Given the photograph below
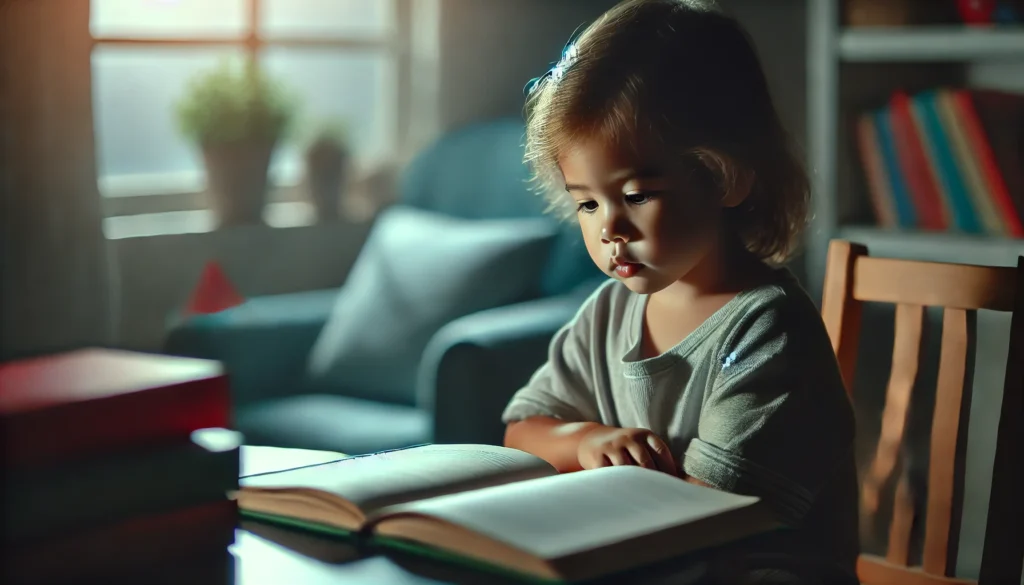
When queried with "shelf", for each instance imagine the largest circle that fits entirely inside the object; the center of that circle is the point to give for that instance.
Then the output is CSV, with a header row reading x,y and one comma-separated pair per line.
x,y
935,246
932,43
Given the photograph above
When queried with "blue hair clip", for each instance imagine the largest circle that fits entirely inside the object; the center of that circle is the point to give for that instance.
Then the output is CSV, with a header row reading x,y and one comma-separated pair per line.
x,y
569,55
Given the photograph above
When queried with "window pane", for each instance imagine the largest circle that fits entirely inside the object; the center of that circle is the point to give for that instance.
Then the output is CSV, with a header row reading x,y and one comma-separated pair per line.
x,y
169,18
320,18
356,88
134,95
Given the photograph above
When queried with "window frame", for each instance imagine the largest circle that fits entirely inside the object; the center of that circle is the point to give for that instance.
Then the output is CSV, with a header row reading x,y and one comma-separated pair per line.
x,y
162,196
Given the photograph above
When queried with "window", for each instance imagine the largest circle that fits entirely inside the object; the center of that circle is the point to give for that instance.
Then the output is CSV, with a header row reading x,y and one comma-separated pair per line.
x,y
343,59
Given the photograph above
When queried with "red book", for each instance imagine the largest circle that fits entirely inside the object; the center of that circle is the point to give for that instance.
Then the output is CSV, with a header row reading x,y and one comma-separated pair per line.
x,y
87,401
924,189
994,124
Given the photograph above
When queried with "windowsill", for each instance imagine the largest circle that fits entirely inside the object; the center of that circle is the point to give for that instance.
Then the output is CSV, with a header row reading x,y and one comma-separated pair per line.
x,y
289,214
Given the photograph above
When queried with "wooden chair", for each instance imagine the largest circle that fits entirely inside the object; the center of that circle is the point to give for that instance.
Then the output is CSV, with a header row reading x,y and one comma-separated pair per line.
x,y
852,278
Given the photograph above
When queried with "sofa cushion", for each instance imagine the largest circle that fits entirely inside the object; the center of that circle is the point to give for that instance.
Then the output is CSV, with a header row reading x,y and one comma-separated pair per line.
x,y
477,172
332,423
418,271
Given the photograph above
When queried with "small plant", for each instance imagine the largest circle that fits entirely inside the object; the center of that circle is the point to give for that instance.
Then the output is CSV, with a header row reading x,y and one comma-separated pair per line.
x,y
327,159
233,103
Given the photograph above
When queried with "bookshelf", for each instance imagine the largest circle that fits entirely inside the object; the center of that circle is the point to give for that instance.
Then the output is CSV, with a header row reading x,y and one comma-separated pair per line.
x,y
851,69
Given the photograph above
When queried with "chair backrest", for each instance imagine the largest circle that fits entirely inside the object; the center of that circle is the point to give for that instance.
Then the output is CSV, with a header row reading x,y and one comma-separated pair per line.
x,y
852,278
477,172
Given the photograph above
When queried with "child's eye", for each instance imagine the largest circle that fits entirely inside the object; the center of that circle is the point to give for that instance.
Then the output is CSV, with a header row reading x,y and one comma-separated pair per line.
x,y
586,207
639,198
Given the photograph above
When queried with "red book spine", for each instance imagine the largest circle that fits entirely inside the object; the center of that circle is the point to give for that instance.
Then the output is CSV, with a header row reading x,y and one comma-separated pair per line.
x,y
975,135
931,210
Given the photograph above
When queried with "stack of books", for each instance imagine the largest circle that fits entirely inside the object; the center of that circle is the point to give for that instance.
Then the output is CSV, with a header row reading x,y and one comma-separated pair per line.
x,y
118,466
946,160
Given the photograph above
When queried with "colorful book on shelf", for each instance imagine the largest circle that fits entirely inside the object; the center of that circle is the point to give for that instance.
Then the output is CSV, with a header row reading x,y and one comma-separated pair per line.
x,y
92,400
932,209
945,171
1001,117
885,184
505,510
969,165
882,200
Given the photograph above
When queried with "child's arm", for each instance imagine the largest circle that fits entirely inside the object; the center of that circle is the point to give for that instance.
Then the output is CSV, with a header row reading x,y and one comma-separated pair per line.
x,y
552,440
586,445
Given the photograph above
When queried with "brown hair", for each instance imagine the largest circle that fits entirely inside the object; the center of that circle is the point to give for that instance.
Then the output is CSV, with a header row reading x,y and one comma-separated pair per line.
x,y
685,75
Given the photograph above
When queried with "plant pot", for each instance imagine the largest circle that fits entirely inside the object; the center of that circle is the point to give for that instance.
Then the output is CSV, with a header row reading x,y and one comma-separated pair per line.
x,y
236,178
326,177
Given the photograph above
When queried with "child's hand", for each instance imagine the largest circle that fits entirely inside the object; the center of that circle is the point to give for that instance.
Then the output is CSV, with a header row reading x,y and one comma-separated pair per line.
x,y
606,446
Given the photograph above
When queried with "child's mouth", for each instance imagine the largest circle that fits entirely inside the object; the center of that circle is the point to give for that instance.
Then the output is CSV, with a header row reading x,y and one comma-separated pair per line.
x,y
628,269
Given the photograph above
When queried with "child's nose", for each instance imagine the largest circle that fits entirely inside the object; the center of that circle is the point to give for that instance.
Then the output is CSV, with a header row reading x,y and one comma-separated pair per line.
x,y
610,233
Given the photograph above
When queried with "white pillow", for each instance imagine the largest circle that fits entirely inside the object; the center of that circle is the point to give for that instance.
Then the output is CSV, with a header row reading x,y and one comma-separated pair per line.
x,y
418,271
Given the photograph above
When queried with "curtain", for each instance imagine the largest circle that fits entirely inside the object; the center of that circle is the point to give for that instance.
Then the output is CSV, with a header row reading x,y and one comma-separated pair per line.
x,y
54,268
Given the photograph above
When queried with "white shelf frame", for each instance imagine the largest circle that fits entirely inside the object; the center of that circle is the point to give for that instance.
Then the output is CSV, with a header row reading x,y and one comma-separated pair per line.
x,y
829,45
931,44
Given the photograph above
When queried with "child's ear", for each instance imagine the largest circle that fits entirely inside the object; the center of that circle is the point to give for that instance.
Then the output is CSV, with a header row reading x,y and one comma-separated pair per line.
x,y
737,190
733,181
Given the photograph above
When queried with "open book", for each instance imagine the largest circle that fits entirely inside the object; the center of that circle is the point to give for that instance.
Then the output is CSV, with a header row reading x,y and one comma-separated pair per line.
x,y
505,509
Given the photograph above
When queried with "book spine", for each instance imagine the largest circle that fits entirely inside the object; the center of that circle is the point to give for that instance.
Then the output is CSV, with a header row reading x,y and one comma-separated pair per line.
x,y
875,173
156,416
990,168
939,150
968,164
931,209
897,181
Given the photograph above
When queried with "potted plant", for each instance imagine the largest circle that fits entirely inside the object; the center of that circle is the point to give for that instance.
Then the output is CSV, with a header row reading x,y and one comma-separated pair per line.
x,y
327,159
236,115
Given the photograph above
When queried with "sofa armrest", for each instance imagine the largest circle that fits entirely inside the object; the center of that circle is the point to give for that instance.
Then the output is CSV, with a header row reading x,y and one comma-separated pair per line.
x,y
473,365
263,344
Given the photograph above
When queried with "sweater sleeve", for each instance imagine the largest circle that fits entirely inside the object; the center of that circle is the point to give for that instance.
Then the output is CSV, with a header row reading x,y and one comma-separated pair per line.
x,y
777,420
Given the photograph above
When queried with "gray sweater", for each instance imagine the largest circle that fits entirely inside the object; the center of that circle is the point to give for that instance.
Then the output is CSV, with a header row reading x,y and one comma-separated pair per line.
x,y
751,402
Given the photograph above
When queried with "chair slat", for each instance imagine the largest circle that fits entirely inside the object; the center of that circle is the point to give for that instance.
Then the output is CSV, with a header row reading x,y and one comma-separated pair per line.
x,y
954,369
931,284
906,358
1002,559
902,524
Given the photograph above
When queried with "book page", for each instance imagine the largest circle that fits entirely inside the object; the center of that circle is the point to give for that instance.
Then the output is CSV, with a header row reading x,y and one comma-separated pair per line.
x,y
393,477
257,460
557,516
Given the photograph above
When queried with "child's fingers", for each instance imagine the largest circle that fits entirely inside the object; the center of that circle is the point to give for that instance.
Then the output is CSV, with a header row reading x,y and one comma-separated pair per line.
x,y
641,455
662,454
618,456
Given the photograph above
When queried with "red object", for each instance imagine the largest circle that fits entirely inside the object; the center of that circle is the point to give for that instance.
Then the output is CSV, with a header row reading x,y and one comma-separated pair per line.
x,y
214,293
979,141
91,400
913,161
975,12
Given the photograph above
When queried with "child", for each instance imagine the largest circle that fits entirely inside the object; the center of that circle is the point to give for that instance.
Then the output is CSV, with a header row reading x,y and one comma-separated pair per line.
x,y
700,357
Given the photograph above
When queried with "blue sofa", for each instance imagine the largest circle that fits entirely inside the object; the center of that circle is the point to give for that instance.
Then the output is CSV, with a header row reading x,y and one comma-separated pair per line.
x,y
470,367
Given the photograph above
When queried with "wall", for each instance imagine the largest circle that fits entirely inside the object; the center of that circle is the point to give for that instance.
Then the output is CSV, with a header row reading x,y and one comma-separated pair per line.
x,y
487,51
491,48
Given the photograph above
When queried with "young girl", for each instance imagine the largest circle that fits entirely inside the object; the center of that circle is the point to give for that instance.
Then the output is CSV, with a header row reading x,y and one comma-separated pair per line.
x,y
700,357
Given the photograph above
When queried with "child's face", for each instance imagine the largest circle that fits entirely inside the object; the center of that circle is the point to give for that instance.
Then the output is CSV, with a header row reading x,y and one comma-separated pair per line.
x,y
641,224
